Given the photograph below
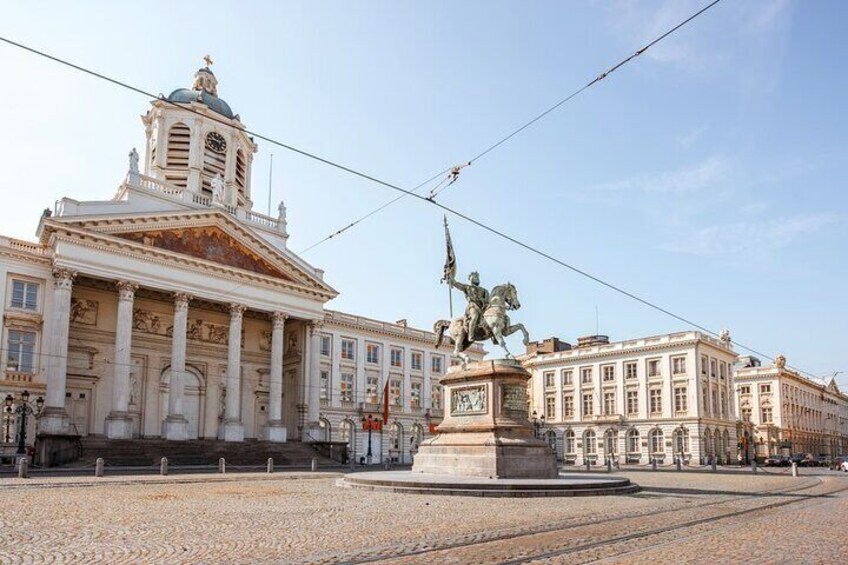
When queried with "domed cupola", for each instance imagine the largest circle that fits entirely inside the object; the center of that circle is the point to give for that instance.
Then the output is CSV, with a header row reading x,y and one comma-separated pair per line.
x,y
204,90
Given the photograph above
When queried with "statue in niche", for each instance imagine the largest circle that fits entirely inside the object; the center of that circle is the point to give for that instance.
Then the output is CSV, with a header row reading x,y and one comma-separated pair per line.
x,y
218,189
222,403
135,390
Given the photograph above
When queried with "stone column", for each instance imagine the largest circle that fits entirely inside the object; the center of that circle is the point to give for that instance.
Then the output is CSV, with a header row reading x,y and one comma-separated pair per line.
x,y
276,430
175,426
118,422
233,427
54,418
313,382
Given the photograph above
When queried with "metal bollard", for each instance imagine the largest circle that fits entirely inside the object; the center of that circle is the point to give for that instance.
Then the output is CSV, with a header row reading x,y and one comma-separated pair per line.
x,y
23,467
679,463
314,463
754,466
163,466
98,467
222,465
270,464
794,469
653,463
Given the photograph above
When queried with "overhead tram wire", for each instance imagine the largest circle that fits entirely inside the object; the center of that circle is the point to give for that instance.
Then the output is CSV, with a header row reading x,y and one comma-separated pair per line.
x,y
527,124
433,202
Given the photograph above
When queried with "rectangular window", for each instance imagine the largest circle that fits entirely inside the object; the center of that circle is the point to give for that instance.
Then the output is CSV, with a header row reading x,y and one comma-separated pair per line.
x,y
415,395
417,360
632,402
723,404
436,364
549,379
654,368
680,402
608,372
397,357
24,295
715,402
20,348
630,369
586,375
713,368
567,405
609,403
723,370
704,365
746,415
765,389
678,365
325,385
326,345
655,398
349,349
706,397
346,387
550,408
395,392
588,407
765,412
567,375
436,396
372,387
372,353
745,389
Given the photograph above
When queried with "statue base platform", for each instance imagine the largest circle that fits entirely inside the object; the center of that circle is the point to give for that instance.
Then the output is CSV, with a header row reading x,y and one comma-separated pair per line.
x,y
486,432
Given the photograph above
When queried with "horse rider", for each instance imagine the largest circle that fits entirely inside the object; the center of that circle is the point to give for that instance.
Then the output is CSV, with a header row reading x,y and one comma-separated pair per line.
x,y
478,299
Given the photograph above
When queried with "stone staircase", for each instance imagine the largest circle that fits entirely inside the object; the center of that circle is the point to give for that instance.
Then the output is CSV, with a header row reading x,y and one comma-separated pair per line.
x,y
149,452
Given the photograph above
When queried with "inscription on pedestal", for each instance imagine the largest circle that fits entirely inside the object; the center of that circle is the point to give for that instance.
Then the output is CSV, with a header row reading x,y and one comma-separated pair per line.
x,y
468,400
515,400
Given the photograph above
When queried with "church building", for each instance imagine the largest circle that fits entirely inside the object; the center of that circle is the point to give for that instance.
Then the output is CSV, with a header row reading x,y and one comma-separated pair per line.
x,y
174,310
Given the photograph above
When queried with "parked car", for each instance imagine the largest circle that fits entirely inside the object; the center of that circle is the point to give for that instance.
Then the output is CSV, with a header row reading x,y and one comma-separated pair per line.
x,y
844,465
777,461
822,461
836,463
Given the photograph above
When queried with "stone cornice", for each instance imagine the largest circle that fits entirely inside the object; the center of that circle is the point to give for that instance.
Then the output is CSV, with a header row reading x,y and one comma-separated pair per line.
x,y
115,245
553,359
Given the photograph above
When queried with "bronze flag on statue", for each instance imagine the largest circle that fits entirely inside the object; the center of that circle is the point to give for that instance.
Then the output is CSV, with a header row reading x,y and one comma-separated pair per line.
x,y
450,259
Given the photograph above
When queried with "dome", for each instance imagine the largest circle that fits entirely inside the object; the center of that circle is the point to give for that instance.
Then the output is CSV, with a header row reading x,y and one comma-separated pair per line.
x,y
187,95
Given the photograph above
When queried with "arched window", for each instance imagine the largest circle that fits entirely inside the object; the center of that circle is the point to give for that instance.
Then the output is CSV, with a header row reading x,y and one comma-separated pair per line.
x,y
241,171
179,145
568,442
681,441
550,437
326,429
611,442
590,442
348,434
725,444
633,442
657,442
708,443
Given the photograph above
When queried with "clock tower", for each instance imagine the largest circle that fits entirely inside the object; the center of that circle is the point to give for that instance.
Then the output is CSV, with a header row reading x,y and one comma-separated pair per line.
x,y
193,136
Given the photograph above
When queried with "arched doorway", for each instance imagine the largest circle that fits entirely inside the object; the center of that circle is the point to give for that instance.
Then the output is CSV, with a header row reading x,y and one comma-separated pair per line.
x,y
611,444
347,432
551,438
396,444
194,391
325,430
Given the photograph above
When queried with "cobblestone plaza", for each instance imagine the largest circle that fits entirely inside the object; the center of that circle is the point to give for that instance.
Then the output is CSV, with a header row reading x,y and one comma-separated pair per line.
x,y
690,517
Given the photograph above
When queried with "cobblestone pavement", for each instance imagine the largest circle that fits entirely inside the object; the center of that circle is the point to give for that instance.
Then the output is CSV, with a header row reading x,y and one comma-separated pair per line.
x,y
304,518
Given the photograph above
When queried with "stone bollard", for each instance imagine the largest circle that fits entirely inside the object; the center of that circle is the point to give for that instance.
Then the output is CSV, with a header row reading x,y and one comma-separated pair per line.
x,y
23,467
653,463
98,467
163,466
314,464
794,469
679,463
714,464
588,465
270,464
754,466
222,465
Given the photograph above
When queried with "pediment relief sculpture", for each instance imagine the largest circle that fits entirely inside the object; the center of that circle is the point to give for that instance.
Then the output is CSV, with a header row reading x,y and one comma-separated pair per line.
x,y
209,243
84,311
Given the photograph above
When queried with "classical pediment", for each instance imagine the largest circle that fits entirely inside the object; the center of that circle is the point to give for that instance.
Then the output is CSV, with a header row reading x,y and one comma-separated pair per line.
x,y
210,243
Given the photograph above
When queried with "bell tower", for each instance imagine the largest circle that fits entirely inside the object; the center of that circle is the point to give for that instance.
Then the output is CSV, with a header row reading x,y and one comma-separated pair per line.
x,y
193,136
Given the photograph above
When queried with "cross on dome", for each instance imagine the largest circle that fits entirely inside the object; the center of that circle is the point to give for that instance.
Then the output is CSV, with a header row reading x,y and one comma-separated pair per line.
x,y
208,60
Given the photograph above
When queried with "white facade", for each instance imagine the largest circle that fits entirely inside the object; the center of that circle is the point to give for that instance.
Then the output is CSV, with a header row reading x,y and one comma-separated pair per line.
x,y
174,310
788,413
637,400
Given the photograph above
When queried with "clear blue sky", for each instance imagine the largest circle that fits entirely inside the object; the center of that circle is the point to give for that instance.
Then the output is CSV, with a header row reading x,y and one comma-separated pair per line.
x,y
707,176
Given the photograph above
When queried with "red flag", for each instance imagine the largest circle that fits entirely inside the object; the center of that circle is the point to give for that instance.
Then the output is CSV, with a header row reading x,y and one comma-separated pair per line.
x,y
386,402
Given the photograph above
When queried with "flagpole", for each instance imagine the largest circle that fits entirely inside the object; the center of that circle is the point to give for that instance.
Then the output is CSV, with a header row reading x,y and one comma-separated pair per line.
x,y
450,264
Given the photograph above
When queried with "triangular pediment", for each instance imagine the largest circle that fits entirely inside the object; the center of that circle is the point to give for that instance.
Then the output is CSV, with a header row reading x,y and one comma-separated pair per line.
x,y
210,243
832,386
210,236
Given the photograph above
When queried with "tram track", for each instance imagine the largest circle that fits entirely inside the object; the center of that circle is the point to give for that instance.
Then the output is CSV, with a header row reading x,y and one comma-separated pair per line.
x,y
430,552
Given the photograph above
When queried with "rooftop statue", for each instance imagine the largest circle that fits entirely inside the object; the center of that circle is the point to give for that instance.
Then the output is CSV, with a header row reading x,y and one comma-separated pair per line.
x,y
485,314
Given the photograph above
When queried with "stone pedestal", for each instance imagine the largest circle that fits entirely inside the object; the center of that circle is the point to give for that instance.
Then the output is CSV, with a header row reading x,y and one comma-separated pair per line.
x,y
175,428
486,431
118,425
55,421
232,431
275,432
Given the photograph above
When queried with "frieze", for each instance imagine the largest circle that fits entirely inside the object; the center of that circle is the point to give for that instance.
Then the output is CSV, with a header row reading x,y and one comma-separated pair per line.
x,y
146,321
196,329
265,340
84,311
468,400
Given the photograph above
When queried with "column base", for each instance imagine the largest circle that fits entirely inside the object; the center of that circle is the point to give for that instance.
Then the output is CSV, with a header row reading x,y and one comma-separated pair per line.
x,y
175,428
232,430
54,420
118,425
275,431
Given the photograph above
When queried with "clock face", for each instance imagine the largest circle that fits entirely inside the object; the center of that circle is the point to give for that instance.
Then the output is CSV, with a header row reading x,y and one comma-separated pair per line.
x,y
216,142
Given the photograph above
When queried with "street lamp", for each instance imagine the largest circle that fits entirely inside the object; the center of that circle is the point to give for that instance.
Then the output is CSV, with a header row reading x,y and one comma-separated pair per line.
x,y
24,409
369,424
538,422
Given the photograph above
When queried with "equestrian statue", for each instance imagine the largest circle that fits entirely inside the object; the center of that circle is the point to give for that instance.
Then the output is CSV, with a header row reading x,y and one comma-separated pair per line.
x,y
485,316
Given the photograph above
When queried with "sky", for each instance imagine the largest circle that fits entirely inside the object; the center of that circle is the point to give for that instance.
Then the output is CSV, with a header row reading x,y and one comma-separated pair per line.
x,y
706,176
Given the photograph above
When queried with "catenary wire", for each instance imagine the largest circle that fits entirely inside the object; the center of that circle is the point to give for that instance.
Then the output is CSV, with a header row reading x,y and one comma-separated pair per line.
x,y
433,202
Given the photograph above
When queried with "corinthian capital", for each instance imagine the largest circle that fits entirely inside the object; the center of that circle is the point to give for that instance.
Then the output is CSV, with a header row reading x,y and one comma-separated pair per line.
x,y
315,326
63,278
181,300
237,311
126,290
278,320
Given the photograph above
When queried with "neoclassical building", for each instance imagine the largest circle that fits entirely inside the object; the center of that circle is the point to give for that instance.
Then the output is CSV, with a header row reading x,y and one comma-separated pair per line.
x,y
174,310
788,413
636,400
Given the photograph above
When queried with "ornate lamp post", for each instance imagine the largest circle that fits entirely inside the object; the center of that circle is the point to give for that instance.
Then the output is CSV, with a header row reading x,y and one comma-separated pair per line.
x,y
24,409
370,423
538,422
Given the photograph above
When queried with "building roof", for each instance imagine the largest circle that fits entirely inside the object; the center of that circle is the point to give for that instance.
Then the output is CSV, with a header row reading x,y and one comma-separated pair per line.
x,y
188,95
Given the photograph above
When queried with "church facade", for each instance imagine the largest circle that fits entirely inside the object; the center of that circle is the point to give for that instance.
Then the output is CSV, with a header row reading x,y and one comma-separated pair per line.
x,y
175,310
